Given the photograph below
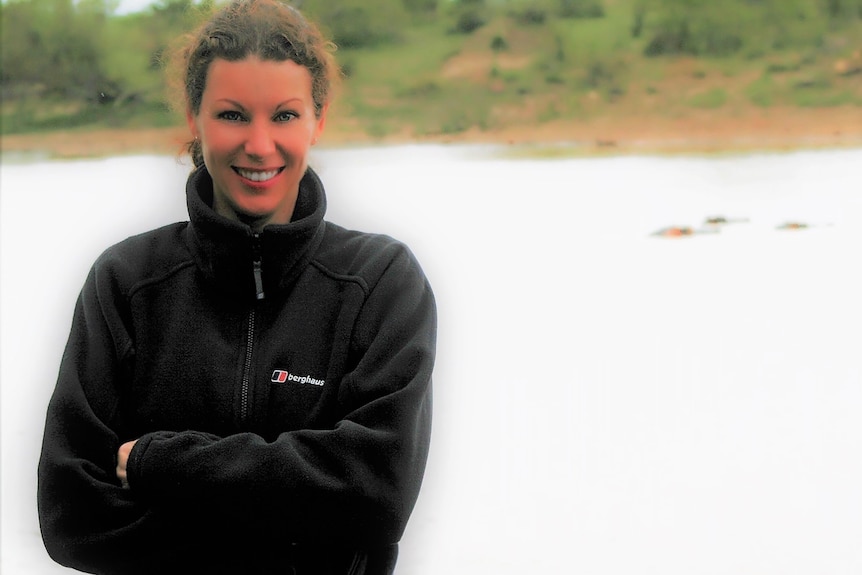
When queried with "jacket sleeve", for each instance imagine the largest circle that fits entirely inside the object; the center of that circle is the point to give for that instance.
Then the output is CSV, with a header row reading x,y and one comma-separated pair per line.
x,y
87,519
353,484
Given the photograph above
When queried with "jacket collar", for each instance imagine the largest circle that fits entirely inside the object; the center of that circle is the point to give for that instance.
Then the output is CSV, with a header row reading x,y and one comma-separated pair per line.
x,y
225,250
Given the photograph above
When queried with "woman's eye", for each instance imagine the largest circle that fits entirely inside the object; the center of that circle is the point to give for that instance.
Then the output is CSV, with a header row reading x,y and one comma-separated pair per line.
x,y
231,116
285,116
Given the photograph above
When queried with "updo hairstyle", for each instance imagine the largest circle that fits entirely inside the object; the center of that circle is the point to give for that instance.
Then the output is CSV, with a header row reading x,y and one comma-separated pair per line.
x,y
268,29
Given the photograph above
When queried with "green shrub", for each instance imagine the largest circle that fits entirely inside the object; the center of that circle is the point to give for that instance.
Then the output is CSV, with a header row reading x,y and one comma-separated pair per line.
x,y
421,89
499,44
358,23
761,92
606,75
842,9
469,21
710,100
581,9
531,16
420,6
781,67
825,98
669,40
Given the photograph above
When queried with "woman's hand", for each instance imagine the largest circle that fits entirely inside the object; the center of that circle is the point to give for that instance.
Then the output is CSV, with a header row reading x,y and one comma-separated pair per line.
x,y
122,460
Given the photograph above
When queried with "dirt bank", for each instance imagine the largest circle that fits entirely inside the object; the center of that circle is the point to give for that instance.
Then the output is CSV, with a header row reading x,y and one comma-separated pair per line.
x,y
697,132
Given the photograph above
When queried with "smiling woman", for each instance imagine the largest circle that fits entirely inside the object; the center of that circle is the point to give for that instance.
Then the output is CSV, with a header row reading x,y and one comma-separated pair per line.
x,y
256,124
248,391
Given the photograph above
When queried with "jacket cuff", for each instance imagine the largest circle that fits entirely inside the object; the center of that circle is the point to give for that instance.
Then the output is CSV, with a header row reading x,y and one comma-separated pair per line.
x,y
134,466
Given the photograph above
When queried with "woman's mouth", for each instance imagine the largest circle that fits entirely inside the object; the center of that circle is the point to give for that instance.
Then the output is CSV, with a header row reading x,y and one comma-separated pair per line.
x,y
258,175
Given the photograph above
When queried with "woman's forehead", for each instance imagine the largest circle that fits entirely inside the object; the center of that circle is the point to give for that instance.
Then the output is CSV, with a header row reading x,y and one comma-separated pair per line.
x,y
254,77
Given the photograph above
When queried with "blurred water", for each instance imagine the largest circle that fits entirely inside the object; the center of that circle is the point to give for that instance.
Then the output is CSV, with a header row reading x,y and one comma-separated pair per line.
x,y
607,401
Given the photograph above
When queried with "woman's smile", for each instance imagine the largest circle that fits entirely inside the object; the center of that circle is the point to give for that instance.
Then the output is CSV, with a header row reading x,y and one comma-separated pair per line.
x,y
258,176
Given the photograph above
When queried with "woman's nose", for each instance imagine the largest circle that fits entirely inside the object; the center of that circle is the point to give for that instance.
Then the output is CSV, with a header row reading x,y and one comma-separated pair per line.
x,y
259,142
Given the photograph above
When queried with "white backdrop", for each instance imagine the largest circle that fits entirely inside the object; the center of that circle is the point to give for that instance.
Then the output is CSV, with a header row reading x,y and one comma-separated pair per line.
x,y
606,401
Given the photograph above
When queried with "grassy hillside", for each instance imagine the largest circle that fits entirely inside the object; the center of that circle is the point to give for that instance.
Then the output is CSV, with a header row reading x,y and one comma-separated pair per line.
x,y
509,73
523,67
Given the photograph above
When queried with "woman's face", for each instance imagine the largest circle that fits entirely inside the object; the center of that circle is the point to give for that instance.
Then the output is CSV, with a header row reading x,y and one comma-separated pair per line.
x,y
256,125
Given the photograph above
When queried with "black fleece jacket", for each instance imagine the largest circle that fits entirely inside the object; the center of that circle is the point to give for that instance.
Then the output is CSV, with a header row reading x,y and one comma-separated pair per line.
x,y
279,387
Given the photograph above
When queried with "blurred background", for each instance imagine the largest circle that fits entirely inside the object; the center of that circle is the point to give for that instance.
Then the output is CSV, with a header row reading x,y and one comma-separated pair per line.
x,y
648,357
609,72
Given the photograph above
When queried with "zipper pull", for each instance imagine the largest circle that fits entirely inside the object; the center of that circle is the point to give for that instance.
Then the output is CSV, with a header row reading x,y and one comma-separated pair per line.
x,y
258,277
258,280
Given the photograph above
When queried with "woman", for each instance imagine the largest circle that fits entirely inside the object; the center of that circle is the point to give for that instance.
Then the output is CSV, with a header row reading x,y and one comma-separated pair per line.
x,y
250,391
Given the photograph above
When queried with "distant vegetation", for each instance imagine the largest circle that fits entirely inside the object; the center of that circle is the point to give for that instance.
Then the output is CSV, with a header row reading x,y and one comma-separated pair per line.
x,y
446,66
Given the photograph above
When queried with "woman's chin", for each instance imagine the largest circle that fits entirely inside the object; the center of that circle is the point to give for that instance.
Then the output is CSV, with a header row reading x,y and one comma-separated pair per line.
x,y
257,215
255,219
254,211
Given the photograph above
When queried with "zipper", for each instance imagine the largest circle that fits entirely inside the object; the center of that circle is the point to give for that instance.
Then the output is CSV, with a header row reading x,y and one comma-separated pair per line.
x,y
245,386
246,371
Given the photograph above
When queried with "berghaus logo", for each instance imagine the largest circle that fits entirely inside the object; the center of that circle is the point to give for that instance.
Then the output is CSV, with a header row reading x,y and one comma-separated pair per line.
x,y
283,376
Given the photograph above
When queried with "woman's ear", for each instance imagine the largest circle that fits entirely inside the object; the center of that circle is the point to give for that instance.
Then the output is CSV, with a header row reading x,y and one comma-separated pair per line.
x,y
190,121
321,124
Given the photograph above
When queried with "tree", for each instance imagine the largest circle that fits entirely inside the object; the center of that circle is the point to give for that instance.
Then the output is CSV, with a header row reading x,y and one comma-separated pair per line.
x,y
53,47
420,6
696,27
359,23
581,8
841,9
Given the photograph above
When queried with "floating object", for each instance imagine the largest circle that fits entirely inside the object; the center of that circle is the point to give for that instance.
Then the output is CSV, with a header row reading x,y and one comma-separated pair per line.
x,y
792,226
674,232
681,232
721,220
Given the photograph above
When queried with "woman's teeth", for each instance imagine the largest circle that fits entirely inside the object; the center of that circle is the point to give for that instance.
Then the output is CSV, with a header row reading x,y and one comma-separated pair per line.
x,y
257,176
